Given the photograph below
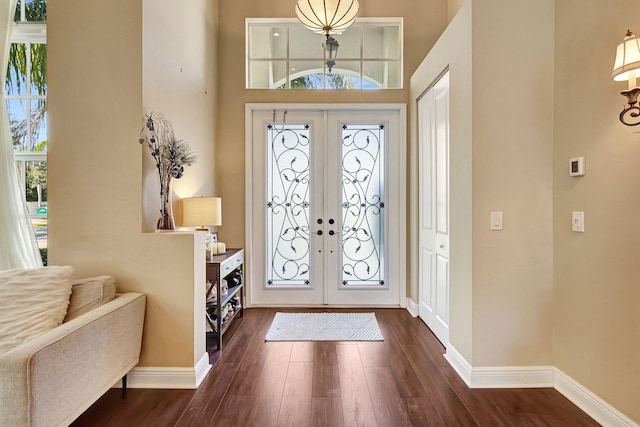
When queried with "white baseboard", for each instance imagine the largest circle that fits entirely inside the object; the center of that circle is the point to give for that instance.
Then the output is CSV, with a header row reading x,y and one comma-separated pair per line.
x,y
512,377
202,369
584,399
171,378
459,364
412,307
536,377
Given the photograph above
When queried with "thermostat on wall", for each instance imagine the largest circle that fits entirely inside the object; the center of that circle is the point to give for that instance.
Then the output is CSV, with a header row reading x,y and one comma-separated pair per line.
x,y
576,166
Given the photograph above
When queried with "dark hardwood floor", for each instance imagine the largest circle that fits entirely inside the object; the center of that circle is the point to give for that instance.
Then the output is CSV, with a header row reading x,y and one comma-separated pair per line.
x,y
403,381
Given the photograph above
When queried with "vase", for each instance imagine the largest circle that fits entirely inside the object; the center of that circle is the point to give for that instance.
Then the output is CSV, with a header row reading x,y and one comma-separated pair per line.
x,y
165,222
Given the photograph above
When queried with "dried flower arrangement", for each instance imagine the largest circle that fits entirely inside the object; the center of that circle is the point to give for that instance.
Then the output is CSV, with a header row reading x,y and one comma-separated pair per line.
x,y
170,155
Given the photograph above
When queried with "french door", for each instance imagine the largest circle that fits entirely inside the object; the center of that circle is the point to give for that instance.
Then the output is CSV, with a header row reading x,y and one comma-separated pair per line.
x,y
325,206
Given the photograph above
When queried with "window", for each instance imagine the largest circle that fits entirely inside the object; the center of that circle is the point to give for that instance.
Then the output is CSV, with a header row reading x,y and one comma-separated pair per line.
x,y
26,92
284,54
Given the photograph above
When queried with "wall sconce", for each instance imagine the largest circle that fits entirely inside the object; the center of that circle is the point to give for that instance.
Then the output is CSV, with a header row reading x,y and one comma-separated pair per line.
x,y
626,67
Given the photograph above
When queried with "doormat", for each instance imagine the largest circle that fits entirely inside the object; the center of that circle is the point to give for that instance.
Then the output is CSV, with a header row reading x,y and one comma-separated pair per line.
x,y
324,327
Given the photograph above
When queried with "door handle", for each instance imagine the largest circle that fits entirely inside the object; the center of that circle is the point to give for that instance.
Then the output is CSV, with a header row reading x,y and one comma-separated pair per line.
x,y
331,232
319,232
331,221
319,221
441,246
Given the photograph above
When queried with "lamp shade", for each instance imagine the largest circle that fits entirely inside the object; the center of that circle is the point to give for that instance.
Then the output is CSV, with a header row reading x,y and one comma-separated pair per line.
x,y
627,57
201,211
327,16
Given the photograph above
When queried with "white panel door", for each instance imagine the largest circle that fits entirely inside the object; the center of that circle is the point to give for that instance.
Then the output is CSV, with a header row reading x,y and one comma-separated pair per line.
x,y
326,217
433,146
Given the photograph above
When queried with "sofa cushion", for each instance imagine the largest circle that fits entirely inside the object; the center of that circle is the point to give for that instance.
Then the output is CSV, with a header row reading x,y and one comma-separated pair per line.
x,y
34,301
89,293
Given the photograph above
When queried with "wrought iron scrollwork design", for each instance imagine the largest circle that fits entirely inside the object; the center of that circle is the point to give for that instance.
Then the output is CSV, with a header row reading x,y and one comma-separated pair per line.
x,y
631,110
288,205
362,204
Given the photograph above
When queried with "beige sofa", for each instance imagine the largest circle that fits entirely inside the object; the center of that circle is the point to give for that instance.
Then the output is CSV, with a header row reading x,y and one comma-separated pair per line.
x,y
51,379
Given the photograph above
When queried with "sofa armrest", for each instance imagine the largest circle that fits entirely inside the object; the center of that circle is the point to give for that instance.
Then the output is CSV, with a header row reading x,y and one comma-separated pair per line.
x,y
53,378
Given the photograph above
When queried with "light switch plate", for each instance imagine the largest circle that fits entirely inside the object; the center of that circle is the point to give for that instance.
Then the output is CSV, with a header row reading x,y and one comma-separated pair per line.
x,y
576,166
577,221
496,221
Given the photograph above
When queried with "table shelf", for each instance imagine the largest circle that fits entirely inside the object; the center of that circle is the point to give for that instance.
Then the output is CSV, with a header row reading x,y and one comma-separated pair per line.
x,y
226,266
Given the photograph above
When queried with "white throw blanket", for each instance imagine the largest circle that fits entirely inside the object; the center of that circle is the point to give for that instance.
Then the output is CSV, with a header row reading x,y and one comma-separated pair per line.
x,y
32,302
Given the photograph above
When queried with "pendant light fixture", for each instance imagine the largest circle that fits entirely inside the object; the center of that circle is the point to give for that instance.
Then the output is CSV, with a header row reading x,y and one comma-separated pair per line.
x,y
331,49
327,16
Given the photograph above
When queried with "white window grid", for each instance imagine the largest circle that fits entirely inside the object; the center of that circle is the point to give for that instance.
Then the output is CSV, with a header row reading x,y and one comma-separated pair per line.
x,y
28,33
289,23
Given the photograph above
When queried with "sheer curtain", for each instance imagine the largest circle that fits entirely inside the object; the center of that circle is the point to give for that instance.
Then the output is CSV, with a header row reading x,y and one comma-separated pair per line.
x,y
18,246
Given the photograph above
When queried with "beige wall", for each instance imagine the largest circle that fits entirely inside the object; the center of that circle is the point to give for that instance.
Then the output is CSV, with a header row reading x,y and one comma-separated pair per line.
x,y
453,6
422,26
512,173
597,296
105,69
501,115
588,309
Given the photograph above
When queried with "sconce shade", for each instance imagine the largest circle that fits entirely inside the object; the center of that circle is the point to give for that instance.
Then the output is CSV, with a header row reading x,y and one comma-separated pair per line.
x,y
627,57
327,16
201,211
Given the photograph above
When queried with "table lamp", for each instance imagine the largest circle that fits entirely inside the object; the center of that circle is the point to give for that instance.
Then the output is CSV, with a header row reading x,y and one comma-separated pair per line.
x,y
202,212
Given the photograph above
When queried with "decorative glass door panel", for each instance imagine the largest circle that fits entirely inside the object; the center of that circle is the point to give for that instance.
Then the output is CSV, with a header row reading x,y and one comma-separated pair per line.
x,y
288,205
363,205
325,208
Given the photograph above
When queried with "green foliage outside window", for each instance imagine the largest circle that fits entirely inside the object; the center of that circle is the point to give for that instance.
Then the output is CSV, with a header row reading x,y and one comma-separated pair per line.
x,y
36,179
315,81
35,11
